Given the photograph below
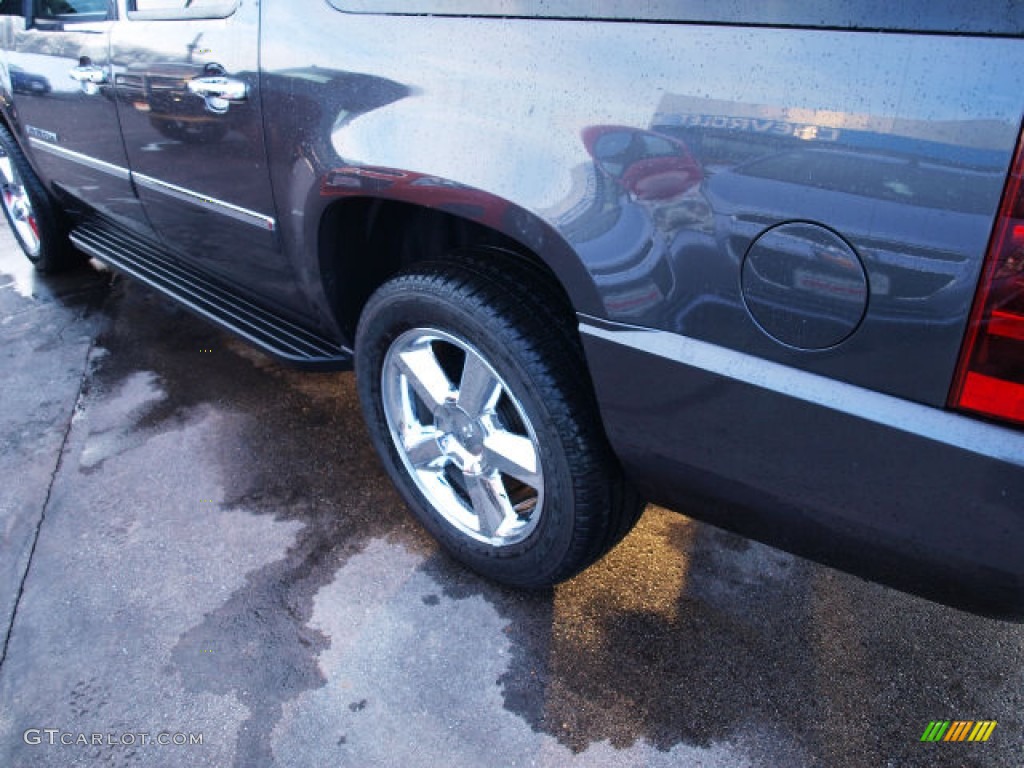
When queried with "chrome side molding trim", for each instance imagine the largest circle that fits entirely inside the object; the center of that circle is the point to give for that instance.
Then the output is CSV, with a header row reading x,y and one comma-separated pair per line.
x,y
946,427
90,162
267,223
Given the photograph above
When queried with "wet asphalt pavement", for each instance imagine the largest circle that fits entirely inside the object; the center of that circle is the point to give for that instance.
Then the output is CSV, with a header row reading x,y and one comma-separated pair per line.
x,y
198,542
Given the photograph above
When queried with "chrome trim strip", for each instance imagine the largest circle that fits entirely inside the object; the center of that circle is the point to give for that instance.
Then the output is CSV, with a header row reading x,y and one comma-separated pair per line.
x,y
212,204
91,162
946,427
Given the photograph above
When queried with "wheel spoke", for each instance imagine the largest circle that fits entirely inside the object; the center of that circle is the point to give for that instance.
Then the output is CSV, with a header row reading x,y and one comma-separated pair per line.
x,y
490,501
422,448
513,455
18,205
397,403
479,390
425,375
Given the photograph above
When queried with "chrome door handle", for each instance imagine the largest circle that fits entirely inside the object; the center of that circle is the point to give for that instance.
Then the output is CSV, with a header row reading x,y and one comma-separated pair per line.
x,y
90,77
219,92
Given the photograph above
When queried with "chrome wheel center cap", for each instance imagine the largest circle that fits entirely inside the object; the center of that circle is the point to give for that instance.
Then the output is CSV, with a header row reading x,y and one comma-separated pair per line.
x,y
462,437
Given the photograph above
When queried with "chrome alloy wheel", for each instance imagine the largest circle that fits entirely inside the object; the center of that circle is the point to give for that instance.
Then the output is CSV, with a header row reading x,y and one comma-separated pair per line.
x,y
463,436
18,204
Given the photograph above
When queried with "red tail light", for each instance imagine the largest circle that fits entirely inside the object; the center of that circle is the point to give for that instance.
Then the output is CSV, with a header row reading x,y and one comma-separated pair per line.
x,y
990,376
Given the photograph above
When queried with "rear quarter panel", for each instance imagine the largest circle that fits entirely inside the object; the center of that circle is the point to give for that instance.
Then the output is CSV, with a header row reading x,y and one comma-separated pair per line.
x,y
503,106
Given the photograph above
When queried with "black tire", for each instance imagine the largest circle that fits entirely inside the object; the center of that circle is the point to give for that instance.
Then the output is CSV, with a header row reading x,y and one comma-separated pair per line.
x,y
509,316
35,219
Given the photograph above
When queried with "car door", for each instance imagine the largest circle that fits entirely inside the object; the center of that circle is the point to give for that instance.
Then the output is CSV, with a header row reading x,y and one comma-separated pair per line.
x,y
63,98
187,81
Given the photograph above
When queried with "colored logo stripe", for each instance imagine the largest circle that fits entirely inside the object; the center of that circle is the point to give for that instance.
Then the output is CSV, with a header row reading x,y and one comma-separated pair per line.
x,y
958,730
982,730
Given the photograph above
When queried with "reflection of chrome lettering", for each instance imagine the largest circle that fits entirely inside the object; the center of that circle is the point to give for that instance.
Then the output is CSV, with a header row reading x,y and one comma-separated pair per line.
x,y
805,131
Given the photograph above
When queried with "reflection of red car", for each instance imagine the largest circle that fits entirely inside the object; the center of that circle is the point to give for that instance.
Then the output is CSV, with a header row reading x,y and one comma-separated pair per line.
x,y
419,188
160,90
649,165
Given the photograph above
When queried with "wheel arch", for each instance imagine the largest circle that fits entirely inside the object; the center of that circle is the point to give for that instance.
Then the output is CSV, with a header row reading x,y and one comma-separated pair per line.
x,y
363,240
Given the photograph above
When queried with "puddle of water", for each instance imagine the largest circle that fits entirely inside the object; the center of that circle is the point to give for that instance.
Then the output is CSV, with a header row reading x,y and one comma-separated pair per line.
x,y
110,427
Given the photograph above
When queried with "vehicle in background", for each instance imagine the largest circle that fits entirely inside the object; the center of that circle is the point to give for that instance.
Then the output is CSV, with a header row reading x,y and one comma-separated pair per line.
x,y
23,82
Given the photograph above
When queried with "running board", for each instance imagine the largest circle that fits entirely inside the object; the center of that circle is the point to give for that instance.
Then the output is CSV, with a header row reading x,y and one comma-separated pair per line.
x,y
271,333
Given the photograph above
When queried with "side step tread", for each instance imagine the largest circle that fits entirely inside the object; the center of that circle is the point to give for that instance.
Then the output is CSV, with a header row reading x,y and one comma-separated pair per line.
x,y
273,334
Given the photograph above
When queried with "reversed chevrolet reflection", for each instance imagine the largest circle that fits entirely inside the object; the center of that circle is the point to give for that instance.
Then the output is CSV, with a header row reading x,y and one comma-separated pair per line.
x,y
762,266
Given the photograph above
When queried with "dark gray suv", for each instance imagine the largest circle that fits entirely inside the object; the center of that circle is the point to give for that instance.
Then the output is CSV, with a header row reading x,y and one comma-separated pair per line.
x,y
763,265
